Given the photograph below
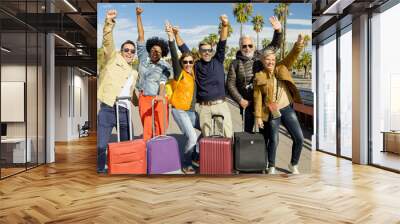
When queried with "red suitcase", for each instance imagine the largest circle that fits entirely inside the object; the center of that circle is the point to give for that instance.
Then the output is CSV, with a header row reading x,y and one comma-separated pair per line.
x,y
215,154
128,157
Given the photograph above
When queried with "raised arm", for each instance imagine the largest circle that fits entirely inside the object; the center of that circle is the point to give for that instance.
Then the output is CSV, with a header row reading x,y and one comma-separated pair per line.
x,y
291,58
220,51
277,38
179,41
225,26
108,40
141,46
139,24
174,54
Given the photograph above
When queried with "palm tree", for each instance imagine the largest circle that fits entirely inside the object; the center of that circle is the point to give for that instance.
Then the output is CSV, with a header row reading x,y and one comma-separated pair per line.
x,y
307,39
230,29
304,62
306,58
242,13
212,39
258,23
195,53
230,56
232,52
282,12
265,42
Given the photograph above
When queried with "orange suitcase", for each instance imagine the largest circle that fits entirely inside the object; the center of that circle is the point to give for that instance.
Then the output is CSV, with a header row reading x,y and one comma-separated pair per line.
x,y
128,157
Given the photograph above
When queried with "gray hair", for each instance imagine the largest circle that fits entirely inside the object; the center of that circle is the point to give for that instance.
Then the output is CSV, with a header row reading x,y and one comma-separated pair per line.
x,y
245,37
267,51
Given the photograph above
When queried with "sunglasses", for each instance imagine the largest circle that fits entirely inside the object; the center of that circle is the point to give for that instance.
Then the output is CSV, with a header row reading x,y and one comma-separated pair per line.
x,y
210,50
126,50
249,46
187,62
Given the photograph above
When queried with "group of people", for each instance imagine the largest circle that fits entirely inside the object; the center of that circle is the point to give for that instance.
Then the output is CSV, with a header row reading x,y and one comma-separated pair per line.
x,y
262,87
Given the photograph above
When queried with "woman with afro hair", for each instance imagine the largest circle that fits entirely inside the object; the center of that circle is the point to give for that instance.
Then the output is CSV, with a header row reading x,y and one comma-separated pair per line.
x,y
153,74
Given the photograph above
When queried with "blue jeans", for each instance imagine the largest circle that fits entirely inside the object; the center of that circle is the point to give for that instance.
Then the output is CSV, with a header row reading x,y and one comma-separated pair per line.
x,y
106,121
271,135
187,121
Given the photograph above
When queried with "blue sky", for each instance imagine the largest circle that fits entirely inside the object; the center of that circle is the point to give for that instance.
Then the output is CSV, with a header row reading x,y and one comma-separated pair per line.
x,y
197,20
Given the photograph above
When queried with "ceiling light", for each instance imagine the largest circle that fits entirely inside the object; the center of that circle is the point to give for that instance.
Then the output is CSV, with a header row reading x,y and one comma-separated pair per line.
x,y
70,5
65,41
5,50
338,6
84,71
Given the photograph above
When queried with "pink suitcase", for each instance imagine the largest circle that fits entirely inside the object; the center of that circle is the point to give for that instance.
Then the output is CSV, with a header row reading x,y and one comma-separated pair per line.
x,y
216,154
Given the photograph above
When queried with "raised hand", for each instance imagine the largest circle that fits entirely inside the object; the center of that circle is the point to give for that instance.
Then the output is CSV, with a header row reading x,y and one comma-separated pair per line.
x,y
139,11
300,39
169,31
275,23
224,20
111,14
175,29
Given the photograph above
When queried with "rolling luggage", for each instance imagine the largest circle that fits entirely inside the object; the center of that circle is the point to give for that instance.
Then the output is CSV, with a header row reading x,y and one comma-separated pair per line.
x,y
128,157
249,151
162,151
215,153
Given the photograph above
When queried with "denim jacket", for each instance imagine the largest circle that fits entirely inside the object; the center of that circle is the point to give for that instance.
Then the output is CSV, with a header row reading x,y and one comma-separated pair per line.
x,y
151,75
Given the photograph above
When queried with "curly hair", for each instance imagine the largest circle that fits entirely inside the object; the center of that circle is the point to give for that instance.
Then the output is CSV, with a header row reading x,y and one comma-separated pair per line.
x,y
163,44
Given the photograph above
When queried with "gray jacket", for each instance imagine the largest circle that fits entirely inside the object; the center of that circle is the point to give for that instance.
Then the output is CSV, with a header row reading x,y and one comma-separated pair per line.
x,y
242,70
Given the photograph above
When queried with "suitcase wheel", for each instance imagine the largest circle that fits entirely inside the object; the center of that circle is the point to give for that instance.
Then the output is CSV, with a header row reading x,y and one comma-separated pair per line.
x,y
237,172
264,172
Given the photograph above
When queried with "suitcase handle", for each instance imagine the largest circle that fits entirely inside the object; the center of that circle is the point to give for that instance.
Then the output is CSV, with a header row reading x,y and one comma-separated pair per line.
x,y
213,118
153,124
129,116
244,121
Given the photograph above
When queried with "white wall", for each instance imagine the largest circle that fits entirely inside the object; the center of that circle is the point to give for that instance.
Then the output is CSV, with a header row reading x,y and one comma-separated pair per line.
x,y
71,87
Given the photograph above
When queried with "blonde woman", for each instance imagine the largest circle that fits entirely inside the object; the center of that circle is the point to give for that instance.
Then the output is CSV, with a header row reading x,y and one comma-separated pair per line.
x,y
274,94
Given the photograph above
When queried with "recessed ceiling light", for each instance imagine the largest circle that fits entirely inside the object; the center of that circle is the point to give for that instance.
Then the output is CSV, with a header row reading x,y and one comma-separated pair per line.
x,y
5,50
84,71
64,40
70,5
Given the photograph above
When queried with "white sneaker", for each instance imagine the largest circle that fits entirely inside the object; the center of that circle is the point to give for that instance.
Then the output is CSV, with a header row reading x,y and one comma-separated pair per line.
x,y
294,169
271,170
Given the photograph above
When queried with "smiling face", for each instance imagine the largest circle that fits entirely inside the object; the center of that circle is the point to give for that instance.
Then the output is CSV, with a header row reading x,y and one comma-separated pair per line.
x,y
205,51
155,53
269,61
187,64
128,52
247,47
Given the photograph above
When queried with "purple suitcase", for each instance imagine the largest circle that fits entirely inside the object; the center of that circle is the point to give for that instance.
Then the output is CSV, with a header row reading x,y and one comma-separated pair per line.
x,y
162,152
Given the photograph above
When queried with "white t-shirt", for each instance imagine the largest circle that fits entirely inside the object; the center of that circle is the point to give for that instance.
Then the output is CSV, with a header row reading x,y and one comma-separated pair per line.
x,y
126,92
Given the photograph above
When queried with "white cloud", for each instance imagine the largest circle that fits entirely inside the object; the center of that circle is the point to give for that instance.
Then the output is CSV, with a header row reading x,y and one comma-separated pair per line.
x,y
303,22
199,30
125,30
